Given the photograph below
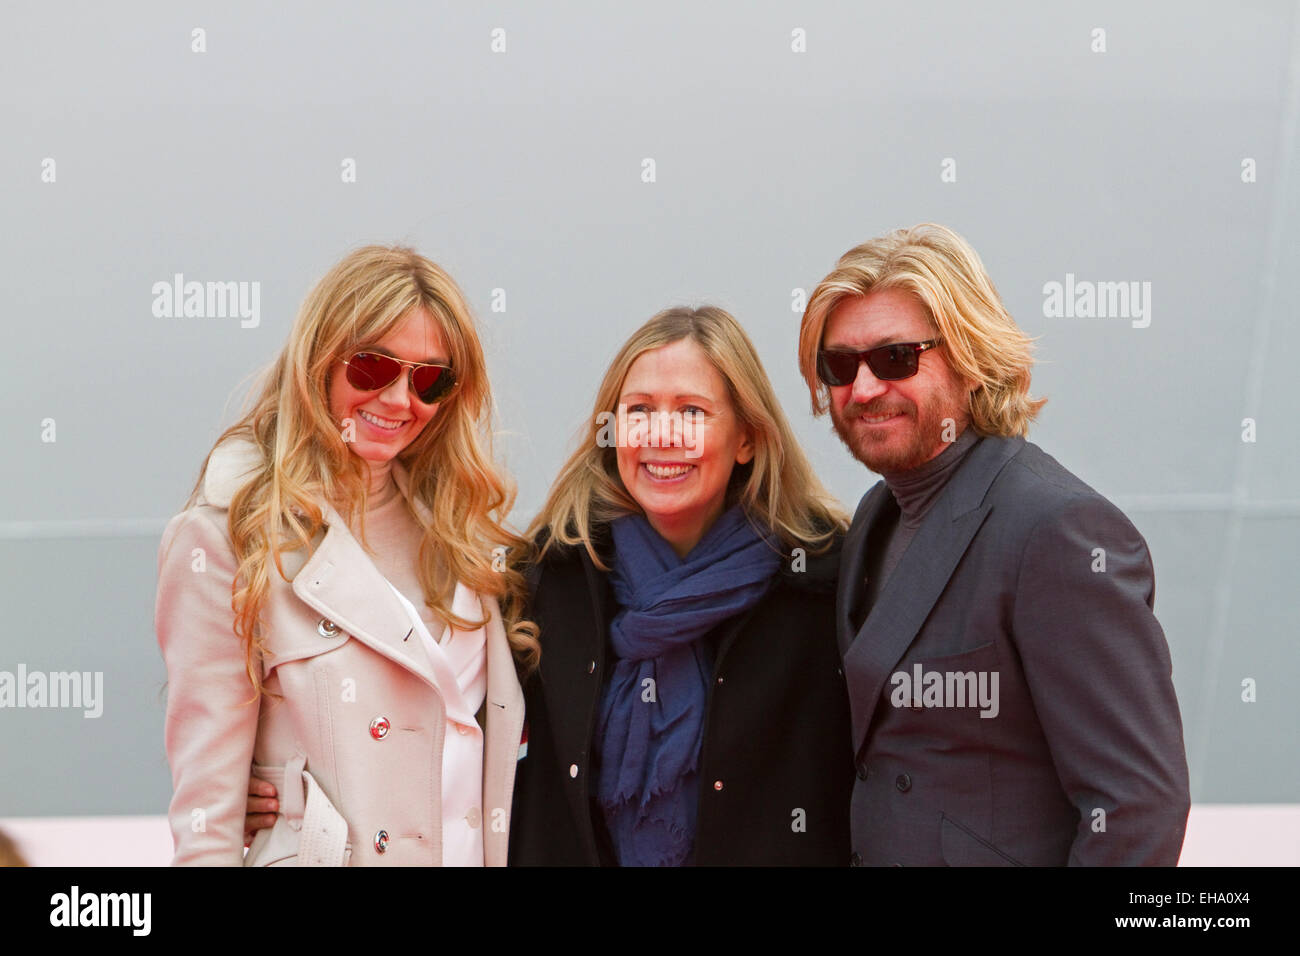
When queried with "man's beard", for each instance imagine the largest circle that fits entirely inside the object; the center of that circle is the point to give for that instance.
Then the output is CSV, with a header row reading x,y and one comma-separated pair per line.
x,y
885,450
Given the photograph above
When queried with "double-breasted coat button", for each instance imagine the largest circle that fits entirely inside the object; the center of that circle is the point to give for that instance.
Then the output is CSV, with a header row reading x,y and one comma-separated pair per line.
x,y
855,859
379,728
862,771
717,785
327,628
591,667
381,841
573,770
903,783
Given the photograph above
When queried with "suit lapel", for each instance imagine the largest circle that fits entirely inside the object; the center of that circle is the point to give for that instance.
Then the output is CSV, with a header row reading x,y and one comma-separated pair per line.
x,y
920,577
853,563
902,607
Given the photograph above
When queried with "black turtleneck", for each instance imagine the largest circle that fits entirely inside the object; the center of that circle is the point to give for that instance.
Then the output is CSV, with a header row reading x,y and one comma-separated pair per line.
x,y
914,492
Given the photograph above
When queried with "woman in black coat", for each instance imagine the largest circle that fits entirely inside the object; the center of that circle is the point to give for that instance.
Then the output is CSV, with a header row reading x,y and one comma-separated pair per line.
x,y
690,706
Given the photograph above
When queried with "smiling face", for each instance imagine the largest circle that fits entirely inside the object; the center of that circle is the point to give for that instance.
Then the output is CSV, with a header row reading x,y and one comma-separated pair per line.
x,y
893,426
389,419
681,482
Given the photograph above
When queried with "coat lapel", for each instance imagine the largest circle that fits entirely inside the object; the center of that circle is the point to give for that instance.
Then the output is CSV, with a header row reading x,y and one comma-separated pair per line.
x,y
503,704
503,690
602,609
341,583
920,577
503,727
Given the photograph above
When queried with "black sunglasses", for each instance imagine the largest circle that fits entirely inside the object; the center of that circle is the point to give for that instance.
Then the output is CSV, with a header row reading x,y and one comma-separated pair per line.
x,y
371,371
889,363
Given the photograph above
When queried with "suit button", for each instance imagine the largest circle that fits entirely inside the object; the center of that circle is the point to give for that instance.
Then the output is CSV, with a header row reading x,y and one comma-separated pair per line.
x,y
591,667
855,859
381,841
573,770
717,785
903,783
862,771
327,628
719,680
379,728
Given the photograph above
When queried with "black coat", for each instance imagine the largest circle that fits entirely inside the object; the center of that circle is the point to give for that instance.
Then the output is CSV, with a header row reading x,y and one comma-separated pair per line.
x,y
776,767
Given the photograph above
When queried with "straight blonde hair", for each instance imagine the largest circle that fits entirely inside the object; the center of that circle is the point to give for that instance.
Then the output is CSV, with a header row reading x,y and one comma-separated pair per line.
x,y
982,342
777,488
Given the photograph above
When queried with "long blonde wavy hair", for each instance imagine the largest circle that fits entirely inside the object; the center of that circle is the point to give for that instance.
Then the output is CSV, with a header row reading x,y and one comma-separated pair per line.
x,y
304,457
981,340
777,488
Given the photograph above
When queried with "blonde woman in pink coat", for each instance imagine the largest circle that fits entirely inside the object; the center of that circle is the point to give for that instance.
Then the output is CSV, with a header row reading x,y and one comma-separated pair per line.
x,y
334,607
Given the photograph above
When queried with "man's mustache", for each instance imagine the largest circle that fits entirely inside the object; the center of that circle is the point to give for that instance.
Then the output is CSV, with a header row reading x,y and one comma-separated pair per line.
x,y
853,409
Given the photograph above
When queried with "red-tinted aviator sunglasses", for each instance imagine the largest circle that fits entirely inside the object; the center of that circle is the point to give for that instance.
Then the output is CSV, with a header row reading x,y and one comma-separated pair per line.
x,y
889,363
371,371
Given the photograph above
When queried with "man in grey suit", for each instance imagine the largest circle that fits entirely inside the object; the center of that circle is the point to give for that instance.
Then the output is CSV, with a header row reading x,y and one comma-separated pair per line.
x,y
1010,685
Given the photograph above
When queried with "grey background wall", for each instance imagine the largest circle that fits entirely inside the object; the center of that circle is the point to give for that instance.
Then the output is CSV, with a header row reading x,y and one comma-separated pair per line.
x,y
522,170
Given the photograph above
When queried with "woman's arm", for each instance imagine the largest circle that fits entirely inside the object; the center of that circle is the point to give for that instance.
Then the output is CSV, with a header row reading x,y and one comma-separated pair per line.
x,y
211,707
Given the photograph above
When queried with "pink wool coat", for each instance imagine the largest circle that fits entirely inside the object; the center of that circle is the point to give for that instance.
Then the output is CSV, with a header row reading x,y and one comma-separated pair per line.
x,y
354,744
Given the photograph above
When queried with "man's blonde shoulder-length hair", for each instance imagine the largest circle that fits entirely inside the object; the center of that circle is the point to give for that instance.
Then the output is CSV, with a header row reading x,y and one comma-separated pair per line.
x,y
982,342
777,488
305,458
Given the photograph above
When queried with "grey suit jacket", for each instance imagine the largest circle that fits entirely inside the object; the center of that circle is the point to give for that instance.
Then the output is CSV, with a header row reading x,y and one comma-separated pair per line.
x,y
1051,734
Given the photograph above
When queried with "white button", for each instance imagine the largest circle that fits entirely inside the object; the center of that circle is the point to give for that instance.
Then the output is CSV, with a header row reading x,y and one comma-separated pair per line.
x,y
573,770
462,729
474,818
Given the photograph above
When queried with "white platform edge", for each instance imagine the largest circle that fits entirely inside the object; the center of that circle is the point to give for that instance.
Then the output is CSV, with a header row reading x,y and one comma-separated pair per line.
x,y
1217,835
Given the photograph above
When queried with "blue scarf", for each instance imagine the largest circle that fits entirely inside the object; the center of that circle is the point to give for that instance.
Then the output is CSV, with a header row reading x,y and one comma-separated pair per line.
x,y
651,719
